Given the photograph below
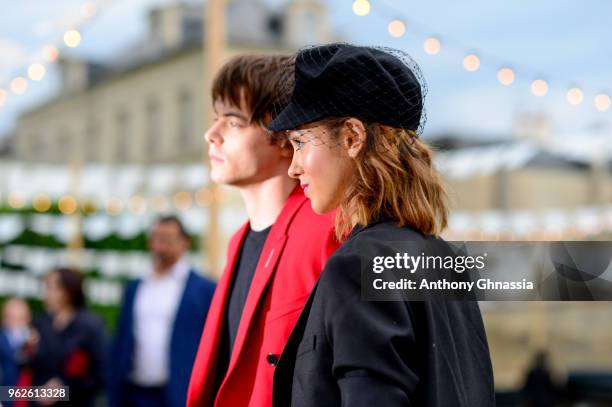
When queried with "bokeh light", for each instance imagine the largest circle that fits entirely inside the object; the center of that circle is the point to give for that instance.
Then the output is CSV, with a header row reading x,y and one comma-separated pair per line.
x,y
41,203
19,85
432,45
574,96
159,203
471,62
89,9
16,200
36,72
50,53
72,38
114,206
505,76
539,87
204,197
137,205
602,102
67,205
361,7
397,28
183,200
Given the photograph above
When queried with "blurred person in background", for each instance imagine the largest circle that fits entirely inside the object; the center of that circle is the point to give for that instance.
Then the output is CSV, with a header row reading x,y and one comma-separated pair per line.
x,y
70,346
160,324
275,258
539,389
16,337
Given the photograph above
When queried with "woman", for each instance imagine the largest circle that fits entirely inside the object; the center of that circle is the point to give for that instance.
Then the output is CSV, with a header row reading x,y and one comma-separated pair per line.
x,y
70,348
353,120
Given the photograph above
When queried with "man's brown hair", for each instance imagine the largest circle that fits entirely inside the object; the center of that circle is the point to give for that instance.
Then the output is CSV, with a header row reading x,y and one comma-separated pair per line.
x,y
261,82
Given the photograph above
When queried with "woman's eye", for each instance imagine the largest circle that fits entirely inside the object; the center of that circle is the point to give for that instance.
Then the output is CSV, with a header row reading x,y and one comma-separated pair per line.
x,y
297,144
234,124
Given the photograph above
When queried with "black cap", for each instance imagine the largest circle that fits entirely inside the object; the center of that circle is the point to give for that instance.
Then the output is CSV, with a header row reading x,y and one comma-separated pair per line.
x,y
375,85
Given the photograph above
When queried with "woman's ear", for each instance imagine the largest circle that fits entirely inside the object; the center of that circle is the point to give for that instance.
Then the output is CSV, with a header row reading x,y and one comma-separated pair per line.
x,y
354,136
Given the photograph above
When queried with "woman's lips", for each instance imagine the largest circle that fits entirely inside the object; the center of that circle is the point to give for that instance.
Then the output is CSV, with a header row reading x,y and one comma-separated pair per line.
x,y
305,188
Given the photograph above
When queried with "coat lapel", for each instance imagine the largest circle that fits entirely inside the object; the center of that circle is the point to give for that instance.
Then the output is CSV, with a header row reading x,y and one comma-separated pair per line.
x,y
283,374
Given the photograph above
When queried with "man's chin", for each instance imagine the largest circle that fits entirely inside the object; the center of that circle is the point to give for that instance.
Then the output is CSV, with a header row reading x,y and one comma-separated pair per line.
x,y
220,178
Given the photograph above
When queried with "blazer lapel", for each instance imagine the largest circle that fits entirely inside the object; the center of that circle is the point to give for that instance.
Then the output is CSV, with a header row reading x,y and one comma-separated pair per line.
x,y
205,367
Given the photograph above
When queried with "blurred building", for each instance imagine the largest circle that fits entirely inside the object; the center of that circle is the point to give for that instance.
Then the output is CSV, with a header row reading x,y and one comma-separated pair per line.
x,y
123,141
533,186
526,189
148,105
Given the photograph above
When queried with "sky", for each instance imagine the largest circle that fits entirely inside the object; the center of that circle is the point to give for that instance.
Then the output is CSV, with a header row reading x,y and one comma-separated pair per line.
x,y
565,42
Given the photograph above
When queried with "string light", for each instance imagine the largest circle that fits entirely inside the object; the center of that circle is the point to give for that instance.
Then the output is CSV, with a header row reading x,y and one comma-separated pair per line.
x,y
89,206
19,85
539,87
183,200
160,203
16,200
137,204
72,38
41,203
67,205
574,96
221,196
114,206
602,102
471,62
36,72
89,9
432,45
204,197
50,53
396,28
361,7
505,76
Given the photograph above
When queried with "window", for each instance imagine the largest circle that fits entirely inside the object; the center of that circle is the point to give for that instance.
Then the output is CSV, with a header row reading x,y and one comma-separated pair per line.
x,y
92,142
123,136
185,131
35,147
64,147
153,129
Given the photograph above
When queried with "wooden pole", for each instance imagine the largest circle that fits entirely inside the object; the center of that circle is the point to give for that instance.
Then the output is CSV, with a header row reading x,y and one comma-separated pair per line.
x,y
214,46
75,245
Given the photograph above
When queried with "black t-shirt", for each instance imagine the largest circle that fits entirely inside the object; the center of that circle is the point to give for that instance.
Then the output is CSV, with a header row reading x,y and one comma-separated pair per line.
x,y
243,277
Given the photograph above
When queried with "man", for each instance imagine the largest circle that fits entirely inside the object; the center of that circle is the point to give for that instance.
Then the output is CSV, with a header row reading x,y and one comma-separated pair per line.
x,y
160,325
275,258
15,336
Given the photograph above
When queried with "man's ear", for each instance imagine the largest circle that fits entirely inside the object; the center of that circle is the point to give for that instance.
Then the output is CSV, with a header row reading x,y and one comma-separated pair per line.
x,y
353,136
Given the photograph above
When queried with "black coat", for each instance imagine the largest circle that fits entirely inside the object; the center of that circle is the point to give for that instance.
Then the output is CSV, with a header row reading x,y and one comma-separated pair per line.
x,y
348,352
74,354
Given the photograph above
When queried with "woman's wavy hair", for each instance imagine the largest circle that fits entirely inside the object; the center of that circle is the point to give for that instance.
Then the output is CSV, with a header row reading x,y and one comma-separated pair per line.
x,y
394,178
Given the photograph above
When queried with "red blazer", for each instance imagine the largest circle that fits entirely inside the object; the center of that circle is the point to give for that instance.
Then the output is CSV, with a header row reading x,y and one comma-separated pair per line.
x,y
293,256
